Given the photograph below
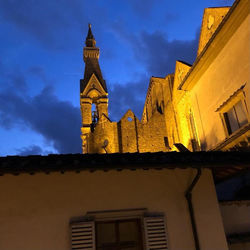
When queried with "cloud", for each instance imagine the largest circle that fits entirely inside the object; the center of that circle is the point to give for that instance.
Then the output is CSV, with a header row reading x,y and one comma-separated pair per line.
x,y
13,79
38,72
159,54
130,95
32,150
144,7
155,51
50,22
57,121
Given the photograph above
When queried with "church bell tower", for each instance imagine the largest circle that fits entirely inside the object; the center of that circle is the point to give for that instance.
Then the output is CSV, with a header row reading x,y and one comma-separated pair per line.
x,y
93,90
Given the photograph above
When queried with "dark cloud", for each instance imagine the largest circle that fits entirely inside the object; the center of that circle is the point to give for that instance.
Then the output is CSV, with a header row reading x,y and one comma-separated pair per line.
x,y
32,150
16,82
159,54
155,51
144,7
38,72
12,79
170,17
57,121
130,95
50,22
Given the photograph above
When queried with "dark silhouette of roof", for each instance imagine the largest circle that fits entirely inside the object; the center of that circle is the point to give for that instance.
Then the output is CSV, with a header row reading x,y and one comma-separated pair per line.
x,y
223,164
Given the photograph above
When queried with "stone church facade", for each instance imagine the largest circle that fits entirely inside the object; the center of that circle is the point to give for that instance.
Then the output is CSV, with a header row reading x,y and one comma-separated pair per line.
x,y
200,107
99,133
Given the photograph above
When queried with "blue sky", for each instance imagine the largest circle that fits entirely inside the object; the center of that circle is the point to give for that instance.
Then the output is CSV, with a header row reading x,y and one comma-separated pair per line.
x,y
41,45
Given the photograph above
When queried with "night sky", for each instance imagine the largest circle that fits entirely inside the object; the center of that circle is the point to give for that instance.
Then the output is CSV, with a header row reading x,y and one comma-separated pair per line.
x,y
41,43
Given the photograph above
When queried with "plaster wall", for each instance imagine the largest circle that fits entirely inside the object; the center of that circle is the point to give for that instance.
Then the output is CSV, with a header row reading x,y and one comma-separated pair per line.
x,y
36,210
228,72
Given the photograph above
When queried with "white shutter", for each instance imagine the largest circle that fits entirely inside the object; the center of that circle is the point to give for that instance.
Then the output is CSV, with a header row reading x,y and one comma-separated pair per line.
x,y
155,233
83,235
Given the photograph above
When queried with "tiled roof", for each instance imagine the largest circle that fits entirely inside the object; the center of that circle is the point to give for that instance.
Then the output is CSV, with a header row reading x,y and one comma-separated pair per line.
x,y
223,164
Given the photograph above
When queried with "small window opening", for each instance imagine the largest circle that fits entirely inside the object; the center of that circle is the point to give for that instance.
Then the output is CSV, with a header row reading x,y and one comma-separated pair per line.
x,y
130,119
160,107
95,116
194,136
235,117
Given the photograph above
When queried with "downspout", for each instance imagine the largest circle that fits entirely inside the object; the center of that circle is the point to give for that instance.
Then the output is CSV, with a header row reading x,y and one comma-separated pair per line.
x,y
188,196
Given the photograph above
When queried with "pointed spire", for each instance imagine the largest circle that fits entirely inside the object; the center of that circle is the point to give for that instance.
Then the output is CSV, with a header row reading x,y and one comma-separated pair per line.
x,y
90,34
90,40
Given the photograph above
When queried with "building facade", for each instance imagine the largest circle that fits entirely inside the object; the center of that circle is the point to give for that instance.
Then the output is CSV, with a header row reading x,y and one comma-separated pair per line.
x,y
113,201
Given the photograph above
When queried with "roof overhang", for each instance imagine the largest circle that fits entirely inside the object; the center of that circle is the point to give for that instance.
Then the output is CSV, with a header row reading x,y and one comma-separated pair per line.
x,y
223,164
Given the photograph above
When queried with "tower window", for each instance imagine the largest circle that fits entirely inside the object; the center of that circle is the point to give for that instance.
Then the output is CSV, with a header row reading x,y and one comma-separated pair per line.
x,y
235,117
94,113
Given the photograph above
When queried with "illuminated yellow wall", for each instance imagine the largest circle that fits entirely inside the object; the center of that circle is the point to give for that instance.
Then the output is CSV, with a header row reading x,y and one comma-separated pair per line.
x,y
219,73
223,77
128,135
212,17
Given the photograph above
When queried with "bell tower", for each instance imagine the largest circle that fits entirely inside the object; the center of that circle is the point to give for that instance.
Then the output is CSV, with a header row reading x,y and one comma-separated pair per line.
x,y
93,90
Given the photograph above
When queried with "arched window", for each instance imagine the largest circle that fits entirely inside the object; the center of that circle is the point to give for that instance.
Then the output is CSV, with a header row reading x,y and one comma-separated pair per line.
x,y
95,116
160,107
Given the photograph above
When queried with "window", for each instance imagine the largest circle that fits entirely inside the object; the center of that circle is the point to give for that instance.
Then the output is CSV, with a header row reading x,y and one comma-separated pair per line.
x,y
118,234
233,111
193,133
235,117
124,233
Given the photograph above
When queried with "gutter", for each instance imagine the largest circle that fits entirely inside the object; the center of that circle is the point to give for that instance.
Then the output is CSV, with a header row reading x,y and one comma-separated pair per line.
x,y
188,196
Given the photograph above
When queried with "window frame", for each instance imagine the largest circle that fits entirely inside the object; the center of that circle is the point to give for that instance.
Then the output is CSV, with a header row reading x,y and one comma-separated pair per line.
x,y
116,222
148,224
229,104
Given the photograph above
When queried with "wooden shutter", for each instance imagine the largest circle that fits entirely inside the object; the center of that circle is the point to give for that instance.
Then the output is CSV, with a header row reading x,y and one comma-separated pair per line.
x,y
155,233
83,235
